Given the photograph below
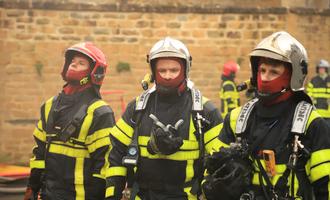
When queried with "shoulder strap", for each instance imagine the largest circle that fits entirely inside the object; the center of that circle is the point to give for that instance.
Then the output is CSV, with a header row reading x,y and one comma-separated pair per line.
x,y
197,99
142,100
196,95
243,116
49,120
301,116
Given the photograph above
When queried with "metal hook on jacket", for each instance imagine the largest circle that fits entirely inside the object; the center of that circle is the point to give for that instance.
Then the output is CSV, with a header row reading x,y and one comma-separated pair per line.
x,y
168,126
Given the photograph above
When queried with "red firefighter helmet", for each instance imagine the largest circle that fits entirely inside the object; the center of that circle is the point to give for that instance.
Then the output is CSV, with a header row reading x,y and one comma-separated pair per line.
x,y
96,56
230,68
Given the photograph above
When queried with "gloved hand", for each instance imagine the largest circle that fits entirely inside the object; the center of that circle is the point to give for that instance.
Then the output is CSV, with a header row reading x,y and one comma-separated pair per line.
x,y
30,194
229,172
164,142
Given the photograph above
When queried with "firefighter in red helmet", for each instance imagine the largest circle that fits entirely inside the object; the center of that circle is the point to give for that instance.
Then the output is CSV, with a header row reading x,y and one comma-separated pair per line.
x,y
229,96
72,142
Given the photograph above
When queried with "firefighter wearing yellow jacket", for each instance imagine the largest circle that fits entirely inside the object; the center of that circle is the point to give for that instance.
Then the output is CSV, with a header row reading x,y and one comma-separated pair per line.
x,y
72,136
228,94
319,89
276,146
164,133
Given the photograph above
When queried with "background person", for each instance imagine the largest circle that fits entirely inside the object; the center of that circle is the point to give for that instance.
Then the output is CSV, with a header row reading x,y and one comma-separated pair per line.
x,y
319,89
229,96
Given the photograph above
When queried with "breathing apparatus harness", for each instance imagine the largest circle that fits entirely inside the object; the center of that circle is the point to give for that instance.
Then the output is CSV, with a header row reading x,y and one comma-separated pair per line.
x,y
132,156
299,123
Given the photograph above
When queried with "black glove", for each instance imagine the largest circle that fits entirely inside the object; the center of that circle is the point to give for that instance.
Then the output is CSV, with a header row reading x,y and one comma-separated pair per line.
x,y
230,175
35,181
164,142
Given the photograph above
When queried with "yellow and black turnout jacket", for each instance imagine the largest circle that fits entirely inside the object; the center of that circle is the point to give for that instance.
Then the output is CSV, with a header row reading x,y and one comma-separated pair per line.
x,y
269,128
319,90
73,169
229,96
168,175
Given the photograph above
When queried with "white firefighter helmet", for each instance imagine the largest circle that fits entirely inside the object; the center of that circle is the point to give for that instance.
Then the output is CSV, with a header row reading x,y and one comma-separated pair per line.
x,y
282,46
169,47
322,64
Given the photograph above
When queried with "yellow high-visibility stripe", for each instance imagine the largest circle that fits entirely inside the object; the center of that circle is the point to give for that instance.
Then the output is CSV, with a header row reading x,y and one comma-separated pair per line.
x,y
314,114
189,170
190,144
48,106
189,195
97,135
320,171
38,164
119,135
318,165
320,95
323,112
318,90
106,165
212,133
40,135
98,144
39,125
116,171
179,156
215,145
69,144
127,129
187,145
89,118
233,118
79,179
68,151
225,95
98,176
230,95
280,168
110,191
319,157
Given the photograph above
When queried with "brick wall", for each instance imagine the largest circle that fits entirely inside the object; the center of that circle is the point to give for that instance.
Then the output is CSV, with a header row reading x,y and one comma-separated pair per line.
x,y
34,34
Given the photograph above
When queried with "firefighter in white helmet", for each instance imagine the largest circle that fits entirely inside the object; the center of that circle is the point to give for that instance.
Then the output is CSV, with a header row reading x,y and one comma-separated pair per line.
x,y
276,146
319,89
72,136
159,143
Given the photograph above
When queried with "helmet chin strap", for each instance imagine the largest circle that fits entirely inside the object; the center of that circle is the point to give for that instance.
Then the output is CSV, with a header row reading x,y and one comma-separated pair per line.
x,y
266,97
167,91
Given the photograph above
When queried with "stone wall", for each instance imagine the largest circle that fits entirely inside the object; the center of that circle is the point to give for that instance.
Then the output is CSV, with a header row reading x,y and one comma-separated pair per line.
x,y
34,35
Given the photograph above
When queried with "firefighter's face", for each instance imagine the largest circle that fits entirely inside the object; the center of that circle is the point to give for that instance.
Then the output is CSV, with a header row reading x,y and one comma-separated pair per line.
x,y
322,70
270,69
79,63
168,68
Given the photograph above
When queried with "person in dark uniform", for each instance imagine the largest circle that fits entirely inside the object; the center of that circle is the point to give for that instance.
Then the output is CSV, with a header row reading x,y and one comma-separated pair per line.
x,y
319,89
172,126
276,146
229,96
72,136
